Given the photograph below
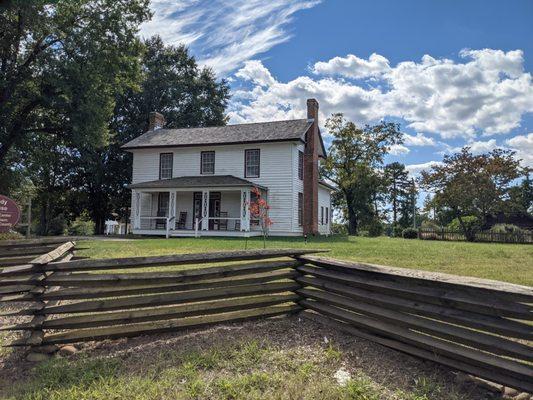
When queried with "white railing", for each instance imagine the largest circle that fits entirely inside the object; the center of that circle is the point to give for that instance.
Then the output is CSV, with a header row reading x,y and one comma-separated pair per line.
x,y
167,221
198,221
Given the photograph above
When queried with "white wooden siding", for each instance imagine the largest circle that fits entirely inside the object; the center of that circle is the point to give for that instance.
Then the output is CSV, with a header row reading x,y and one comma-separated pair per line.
x,y
276,174
297,187
324,200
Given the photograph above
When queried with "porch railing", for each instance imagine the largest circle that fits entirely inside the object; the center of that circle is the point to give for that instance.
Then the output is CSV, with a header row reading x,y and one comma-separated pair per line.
x,y
198,222
167,221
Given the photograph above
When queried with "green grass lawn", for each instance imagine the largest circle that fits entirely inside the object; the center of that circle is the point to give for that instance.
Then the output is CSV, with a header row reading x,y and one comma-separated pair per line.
x,y
505,262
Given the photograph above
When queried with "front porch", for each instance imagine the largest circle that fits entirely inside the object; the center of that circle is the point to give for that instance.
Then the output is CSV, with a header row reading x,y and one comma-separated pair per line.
x,y
219,210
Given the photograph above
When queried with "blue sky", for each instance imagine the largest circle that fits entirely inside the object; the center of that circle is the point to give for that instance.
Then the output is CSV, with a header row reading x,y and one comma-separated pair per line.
x,y
452,72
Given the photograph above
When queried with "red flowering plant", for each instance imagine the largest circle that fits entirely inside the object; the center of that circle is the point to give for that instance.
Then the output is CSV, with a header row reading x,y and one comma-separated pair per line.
x,y
259,210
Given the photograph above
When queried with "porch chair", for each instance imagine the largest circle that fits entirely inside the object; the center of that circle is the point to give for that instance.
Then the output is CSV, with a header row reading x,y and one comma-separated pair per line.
x,y
182,220
237,226
223,223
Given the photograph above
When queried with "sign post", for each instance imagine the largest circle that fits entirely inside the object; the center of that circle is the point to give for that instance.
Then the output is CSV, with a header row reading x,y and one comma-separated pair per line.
x,y
9,213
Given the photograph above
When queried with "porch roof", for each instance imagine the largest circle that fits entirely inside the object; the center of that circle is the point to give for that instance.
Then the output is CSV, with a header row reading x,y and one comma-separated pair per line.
x,y
204,181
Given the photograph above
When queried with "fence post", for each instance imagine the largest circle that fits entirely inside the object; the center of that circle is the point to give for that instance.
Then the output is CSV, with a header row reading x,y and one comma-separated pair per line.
x,y
37,352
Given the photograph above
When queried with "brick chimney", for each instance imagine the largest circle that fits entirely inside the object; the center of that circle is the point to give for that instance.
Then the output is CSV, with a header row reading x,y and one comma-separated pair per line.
x,y
155,121
310,223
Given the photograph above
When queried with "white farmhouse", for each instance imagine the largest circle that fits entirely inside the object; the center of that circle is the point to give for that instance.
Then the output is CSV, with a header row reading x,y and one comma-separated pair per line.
x,y
198,181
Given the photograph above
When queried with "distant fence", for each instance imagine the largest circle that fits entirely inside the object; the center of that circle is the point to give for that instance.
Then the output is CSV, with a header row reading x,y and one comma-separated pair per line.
x,y
477,326
485,236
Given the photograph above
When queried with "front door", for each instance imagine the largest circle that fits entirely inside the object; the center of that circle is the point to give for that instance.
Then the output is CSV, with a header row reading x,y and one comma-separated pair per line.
x,y
214,210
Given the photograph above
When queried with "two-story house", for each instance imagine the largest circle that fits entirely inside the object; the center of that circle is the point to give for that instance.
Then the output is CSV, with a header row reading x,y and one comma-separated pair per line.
x,y
199,181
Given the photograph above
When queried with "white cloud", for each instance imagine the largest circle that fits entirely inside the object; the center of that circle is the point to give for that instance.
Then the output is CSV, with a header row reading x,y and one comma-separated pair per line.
x,y
419,140
523,145
398,150
352,66
478,147
224,34
485,95
415,169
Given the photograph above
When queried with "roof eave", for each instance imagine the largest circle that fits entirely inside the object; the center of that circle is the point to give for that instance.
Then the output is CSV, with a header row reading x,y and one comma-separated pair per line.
x,y
125,147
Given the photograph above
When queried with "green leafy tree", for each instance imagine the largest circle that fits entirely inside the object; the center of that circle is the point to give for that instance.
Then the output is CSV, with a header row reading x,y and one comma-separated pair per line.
x,y
521,197
397,183
352,164
173,84
62,65
408,206
472,185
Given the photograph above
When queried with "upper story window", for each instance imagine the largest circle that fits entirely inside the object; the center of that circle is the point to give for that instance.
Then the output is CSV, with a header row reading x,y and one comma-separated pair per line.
x,y
252,159
300,165
207,162
165,165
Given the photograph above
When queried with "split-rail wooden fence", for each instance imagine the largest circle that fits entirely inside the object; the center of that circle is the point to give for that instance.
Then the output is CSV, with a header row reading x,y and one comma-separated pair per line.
x,y
480,327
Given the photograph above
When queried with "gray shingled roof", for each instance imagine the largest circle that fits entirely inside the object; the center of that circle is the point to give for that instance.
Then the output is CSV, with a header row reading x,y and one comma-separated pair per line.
x,y
242,133
207,181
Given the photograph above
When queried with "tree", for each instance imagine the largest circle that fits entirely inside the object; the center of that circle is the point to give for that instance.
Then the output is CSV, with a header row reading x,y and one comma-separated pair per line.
x,y
396,181
472,185
408,205
352,164
62,64
259,210
173,84
521,196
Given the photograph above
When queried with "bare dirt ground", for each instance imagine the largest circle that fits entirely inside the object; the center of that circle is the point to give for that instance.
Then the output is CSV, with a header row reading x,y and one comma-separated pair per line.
x,y
290,340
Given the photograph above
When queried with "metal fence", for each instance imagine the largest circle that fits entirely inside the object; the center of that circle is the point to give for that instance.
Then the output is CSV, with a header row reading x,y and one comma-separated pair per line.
x,y
484,236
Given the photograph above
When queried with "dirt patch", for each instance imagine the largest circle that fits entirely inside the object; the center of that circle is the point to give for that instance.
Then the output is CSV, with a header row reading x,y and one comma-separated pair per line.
x,y
284,344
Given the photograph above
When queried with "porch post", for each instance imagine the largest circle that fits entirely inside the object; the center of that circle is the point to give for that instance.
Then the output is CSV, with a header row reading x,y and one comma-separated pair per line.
x,y
245,210
136,209
205,210
172,208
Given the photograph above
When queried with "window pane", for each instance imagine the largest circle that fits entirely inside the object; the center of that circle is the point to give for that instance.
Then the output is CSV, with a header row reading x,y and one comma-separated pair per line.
x,y
300,165
165,165
252,163
300,209
207,162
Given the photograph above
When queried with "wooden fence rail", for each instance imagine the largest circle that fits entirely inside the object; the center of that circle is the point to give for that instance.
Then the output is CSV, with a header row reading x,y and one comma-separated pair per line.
x,y
85,300
477,326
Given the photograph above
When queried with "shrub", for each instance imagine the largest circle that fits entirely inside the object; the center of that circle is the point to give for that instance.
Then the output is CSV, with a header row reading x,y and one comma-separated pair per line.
x,y
56,226
429,225
10,235
82,226
397,231
339,229
506,228
471,222
375,228
410,233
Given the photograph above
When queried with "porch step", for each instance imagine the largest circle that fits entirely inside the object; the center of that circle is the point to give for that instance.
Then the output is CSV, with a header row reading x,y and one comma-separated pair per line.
x,y
183,234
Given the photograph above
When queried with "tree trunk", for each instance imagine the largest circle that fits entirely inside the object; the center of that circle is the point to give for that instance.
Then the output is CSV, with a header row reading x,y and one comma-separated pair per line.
x,y
352,220
394,205
469,234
